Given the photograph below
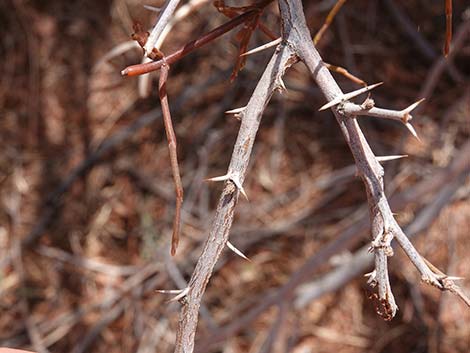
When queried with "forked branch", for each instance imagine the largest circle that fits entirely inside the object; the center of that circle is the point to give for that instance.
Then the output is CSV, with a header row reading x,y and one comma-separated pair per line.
x,y
384,226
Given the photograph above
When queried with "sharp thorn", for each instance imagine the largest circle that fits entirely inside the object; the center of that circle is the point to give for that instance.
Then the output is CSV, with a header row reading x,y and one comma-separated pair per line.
x,y
236,251
238,184
413,131
169,291
235,111
370,274
360,91
390,158
263,47
282,87
412,106
183,293
348,96
453,278
332,103
153,8
220,178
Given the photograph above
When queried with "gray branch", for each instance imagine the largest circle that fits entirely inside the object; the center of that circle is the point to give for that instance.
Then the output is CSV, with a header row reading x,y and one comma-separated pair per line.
x,y
384,225
163,20
219,232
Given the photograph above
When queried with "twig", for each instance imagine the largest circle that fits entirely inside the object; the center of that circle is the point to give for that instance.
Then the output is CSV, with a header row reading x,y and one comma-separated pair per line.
x,y
219,232
328,21
163,20
170,135
442,63
140,69
448,27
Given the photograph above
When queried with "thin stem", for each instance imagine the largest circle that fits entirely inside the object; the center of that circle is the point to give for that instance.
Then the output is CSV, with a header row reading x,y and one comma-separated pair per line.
x,y
170,135
448,27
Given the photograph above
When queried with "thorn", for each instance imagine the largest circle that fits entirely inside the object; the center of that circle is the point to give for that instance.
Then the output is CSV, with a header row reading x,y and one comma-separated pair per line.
x,y
236,180
370,274
236,251
220,178
152,8
413,131
412,106
453,278
348,96
169,291
281,86
235,111
263,47
390,158
181,294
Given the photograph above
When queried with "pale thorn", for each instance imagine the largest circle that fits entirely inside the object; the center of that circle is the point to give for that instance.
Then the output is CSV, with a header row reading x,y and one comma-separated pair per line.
x,y
183,293
282,87
413,131
169,291
390,158
235,179
236,110
370,274
263,47
236,251
453,278
220,178
347,96
153,8
412,106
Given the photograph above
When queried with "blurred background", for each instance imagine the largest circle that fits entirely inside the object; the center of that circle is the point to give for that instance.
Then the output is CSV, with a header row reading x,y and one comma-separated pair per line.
x,y
87,198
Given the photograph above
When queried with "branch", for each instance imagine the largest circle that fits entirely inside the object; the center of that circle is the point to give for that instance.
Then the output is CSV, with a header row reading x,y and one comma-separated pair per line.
x,y
384,225
219,232
163,20
140,69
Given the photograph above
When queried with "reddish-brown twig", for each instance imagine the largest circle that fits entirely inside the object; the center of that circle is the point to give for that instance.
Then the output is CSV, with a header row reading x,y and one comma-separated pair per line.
x,y
328,21
170,135
140,69
448,27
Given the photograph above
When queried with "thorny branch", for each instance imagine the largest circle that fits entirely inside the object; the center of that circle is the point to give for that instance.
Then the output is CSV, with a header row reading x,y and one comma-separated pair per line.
x,y
219,232
297,45
384,226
